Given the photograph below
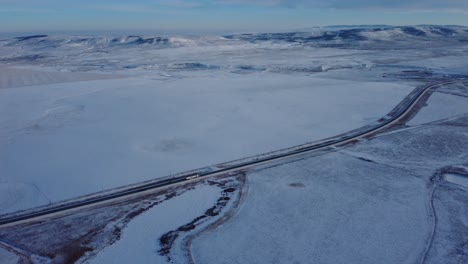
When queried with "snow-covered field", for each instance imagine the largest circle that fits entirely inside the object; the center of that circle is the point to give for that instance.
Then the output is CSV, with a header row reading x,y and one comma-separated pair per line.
x,y
97,135
320,209
81,114
369,203
168,105
441,106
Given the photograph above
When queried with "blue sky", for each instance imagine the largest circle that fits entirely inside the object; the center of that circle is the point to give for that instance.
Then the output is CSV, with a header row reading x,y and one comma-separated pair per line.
x,y
221,15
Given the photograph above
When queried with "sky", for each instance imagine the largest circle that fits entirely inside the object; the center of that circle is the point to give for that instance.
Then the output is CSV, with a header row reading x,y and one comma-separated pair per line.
x,y
221,15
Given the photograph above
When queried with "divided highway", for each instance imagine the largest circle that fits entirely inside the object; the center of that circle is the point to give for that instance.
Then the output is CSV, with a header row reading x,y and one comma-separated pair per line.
x,y
393,117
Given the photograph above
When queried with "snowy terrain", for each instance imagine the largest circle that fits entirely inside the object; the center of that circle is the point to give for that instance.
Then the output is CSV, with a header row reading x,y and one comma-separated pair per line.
x,y
449,101
171,104
320,209
98,135
137,245
82,114
376,202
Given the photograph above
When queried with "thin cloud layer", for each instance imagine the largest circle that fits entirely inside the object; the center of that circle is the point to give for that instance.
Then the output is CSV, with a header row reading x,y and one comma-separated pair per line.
x,y
334,4
237,15
360,4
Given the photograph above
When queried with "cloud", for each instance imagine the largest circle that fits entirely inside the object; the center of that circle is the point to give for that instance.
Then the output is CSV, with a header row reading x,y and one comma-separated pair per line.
x,y
145,5
119,6
359,4
180,3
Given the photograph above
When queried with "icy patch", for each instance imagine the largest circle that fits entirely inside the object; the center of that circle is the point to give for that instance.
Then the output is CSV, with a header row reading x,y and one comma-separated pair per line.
x,y
457,179
7,257
140,239
440,106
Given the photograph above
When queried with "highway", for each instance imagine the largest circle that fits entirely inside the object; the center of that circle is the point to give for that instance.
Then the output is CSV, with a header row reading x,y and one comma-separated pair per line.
x,y
125,192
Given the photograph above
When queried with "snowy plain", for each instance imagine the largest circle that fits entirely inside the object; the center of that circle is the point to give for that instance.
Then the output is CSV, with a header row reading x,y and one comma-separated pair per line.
x,y
80,114
375,202
320,209
441,106
96,135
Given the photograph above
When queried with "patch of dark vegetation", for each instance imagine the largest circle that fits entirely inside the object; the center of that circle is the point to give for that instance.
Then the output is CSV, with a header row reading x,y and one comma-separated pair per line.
x,y
30,37
289,70
186,227
130,67
334,45
229,190
79,40
297,185
69,253
136,212
352,142
198,218
212,211
27,58
166,242
413,31
443,31
455,76
214,183
351,34
425,75
364,159
154,40
117,233
222,202
193,66
248,69
171,195
191,225
327,36
417,72
139,40
286,37
411,74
